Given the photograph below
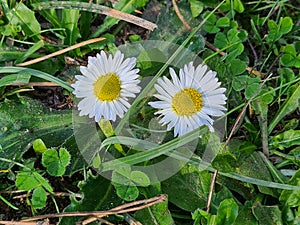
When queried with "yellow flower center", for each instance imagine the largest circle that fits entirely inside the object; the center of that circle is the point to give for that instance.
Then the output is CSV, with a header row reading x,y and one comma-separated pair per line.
x,y
107,87
187,102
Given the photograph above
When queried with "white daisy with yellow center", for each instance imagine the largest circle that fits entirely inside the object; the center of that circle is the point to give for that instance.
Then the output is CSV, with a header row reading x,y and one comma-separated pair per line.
x,y
189,101
105,86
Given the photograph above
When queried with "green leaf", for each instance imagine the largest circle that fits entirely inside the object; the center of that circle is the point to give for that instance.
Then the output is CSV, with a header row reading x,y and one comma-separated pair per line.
x,y
290,60
21,124
39,146
39,198
245,216
260,104
26,181
156,214
210,25
23,16
286,25
56,162
286,75
20,78
277,31
127,192
105,199
267,215
286,139
290,105
70,22
125,182
251,90
140,178
223,22
237,66
43,182
292,198
238,6
227,212
255,167
196,7
225,162
188,189
125,188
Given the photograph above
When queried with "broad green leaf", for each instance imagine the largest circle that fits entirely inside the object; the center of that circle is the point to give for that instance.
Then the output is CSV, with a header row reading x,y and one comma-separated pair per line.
x,y
98,194
22,123
245,216
188,189
140,178
291,198
70,22
290,104
267,215
227,212
238,6
128,192
278,30
39,198
56,162
251,90
210,25
237,66
260,104
30,180
39,146
20,78
156,214
223,22
196,7
286,25
26,181
43,182
286,139
23,16
286,75
123,184
202,217
225,162
255,167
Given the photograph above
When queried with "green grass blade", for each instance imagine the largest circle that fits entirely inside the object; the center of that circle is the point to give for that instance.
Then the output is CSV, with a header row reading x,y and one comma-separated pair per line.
x,y
19,78
291,104
30,51
36,73
154,152
8,203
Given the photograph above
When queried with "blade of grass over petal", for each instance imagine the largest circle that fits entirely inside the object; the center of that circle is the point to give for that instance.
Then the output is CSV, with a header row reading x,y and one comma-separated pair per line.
x,y
148,88
36,73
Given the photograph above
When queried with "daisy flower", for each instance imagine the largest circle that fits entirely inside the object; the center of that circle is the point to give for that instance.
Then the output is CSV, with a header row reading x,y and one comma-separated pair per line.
x,y
188,101
105,86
